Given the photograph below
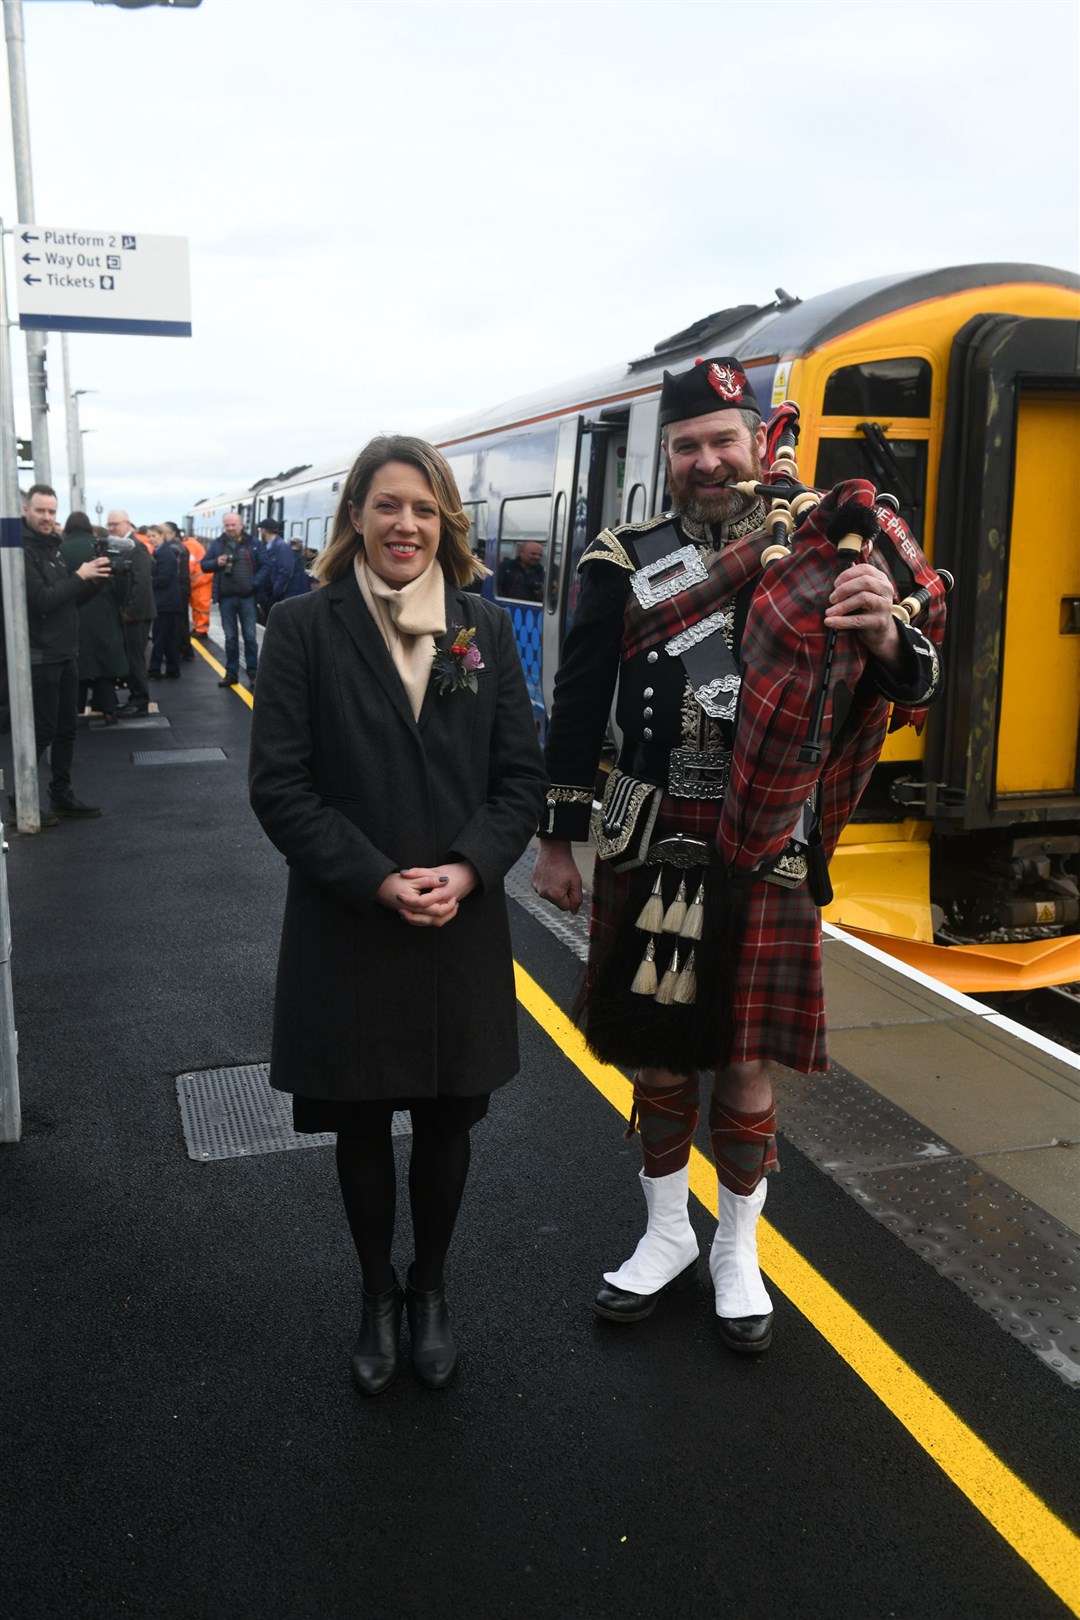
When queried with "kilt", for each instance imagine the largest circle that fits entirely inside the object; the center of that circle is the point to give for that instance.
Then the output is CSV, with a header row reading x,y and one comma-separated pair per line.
x,y
779,997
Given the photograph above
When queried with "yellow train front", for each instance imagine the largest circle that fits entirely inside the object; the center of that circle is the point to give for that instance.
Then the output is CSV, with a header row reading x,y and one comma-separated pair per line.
x,y
965,402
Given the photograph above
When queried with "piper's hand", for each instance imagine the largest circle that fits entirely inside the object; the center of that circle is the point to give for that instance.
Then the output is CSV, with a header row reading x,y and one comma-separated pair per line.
x,y
862,601
428,896
555,875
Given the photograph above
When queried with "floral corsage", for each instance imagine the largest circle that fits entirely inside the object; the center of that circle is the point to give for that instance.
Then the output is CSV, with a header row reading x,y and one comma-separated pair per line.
x,y
454,668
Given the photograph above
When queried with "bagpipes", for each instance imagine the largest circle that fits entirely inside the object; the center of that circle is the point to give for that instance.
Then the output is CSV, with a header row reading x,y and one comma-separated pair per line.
x,y
808,725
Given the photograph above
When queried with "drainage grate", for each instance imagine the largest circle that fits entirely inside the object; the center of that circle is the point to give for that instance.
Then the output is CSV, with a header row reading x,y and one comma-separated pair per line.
x,y
236,1113
1015,1261
177,756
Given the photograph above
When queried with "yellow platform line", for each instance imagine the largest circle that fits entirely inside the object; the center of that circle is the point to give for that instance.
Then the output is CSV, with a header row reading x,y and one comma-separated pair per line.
x,y
241,691
1040,1538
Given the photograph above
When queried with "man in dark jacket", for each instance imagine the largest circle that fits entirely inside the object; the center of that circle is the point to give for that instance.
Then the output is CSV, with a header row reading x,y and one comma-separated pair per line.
x,y
53,596
286,567
240,571
138,614
169,606
183,563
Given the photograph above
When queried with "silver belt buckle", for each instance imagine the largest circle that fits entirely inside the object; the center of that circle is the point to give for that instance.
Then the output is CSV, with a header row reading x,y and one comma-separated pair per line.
x,y
679,850
668,575
698,774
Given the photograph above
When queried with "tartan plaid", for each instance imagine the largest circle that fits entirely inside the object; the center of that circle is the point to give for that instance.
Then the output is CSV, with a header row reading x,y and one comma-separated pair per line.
x,y
779,999
744,1146
783,654
728,571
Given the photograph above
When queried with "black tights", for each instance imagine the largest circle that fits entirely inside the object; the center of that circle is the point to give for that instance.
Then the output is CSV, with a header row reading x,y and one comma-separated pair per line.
x,y
368,1175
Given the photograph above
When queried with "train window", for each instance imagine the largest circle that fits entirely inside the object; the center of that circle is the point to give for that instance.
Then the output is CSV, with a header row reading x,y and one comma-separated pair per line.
x,y
477,514
523,536
902,474
312,538
296,529
880,388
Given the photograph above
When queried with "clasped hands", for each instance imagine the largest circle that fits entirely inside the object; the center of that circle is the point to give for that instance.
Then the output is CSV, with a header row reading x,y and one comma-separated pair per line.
x,y
428,896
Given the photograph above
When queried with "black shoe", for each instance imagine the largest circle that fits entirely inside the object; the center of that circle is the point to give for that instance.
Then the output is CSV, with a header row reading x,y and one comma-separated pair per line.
x,y
187,658
69,805
374,1360
230,680
133,707
109,719
750,1335
173,675
153,675
619,1305
434,1353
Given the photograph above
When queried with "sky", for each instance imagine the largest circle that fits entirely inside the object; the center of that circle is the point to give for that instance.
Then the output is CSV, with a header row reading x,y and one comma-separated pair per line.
x,y
398,213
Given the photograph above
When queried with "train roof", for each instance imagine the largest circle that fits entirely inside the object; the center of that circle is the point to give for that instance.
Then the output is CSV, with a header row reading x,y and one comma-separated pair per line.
x,y
784,328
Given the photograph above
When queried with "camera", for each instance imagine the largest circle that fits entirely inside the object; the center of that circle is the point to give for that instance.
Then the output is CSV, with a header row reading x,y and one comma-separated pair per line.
x,y
119,549
227,567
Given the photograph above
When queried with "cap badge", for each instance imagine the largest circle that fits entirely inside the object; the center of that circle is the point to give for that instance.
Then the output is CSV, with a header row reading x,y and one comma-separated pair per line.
x,y
725,380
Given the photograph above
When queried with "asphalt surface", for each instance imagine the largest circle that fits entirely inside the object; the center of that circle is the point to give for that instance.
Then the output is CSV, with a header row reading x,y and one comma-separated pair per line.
x,y
180,1437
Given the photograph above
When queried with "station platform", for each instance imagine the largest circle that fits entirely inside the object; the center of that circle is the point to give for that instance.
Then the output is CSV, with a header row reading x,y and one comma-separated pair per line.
x,y
180,1436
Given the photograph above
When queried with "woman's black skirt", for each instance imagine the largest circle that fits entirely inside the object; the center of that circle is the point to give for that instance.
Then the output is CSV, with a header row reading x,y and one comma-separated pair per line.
x,y
436,1115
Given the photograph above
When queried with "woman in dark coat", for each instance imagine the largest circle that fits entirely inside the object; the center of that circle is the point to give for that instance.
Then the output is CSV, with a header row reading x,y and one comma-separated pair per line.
x,y
102,654
394,763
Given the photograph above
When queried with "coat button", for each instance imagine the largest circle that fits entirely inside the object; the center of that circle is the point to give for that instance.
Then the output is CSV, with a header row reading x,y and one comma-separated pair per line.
x,y
652,658
647,733
647,713
647,692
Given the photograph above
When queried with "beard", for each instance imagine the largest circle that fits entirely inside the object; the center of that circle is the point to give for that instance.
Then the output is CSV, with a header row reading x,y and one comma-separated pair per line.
x,y
707,502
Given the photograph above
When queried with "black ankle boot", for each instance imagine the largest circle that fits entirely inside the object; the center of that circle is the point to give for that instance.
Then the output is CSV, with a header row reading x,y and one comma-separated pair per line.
x,y
375,1355
434,1353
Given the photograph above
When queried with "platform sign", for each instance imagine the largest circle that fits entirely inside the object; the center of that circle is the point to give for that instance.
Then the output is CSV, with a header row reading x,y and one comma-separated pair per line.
x,y
81,280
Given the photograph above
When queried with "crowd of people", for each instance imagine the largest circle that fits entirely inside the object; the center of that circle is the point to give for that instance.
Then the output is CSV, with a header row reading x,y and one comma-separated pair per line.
x,y
117,607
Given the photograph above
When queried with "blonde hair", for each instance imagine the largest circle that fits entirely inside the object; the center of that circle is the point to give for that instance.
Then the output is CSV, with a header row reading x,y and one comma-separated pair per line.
x,y
457,561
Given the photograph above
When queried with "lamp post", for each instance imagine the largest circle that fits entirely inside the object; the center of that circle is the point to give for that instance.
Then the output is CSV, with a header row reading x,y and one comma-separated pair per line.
x,y
75,452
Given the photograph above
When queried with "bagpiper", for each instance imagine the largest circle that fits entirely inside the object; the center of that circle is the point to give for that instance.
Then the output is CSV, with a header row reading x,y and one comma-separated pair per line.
x,y
687,972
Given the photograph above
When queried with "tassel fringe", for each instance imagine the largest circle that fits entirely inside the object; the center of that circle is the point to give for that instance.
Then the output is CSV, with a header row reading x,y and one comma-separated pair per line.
x,y
675,915
666,993
645,978
693,923
652,912
686,989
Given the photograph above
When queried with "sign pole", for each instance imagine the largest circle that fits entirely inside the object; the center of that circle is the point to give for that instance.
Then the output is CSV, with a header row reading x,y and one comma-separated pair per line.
x,y
24,191
13,582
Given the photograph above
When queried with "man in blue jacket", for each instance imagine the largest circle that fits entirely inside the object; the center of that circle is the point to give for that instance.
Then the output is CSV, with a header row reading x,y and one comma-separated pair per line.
x,y
240,570
288,577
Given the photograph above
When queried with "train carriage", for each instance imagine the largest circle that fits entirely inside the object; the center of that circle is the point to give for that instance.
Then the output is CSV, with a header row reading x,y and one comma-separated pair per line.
x,y
958,390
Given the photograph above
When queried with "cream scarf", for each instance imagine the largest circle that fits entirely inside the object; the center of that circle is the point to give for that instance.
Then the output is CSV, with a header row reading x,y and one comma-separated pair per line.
x,y
409,619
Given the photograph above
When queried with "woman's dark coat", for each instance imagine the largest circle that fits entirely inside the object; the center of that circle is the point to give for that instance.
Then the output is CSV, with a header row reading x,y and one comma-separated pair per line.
x,y
101,630
351,788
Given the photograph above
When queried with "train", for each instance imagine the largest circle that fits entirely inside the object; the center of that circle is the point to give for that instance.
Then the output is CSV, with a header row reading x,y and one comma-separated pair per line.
x,y
958,391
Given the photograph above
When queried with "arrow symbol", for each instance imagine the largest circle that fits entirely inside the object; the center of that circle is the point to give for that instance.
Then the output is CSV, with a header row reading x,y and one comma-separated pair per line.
x,y
28,238
31,258
30,280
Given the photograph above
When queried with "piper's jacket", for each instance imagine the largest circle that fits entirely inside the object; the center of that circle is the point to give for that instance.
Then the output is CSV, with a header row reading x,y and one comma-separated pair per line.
x,y
656,710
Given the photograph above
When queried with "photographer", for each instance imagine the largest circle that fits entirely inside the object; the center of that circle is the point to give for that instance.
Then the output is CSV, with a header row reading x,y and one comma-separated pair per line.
x,y
102,655
138,612
53,596
240,571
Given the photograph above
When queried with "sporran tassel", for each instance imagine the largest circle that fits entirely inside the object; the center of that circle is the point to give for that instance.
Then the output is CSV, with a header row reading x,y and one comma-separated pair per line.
x,y
686,989
645,978
652,912
666,993
675,914
695,915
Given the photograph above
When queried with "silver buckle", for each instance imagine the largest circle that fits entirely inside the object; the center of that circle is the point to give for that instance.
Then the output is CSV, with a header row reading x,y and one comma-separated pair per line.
x,y
679,850
668,575
698,773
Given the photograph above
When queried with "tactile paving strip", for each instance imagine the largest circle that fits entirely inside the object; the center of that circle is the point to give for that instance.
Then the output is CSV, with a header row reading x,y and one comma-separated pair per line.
x,y
235,1113
572,931
1015,1261
176,756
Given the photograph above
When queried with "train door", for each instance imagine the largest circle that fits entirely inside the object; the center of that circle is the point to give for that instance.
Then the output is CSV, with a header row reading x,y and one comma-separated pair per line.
x,y
559,563
1011,750
642,457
